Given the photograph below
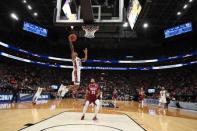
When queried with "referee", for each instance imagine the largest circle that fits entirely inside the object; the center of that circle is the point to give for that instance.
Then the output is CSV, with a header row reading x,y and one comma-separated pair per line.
x,y
15,92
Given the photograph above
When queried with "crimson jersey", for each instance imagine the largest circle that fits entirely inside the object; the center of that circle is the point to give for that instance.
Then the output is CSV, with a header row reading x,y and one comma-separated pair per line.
x,y
115,94
141,95
93,90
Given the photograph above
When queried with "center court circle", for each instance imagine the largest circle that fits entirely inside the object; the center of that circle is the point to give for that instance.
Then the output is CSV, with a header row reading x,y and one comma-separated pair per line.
x,y
81,127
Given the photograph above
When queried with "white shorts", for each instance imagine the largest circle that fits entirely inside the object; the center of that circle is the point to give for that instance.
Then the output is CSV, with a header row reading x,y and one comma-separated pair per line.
x,y
162,100
76,75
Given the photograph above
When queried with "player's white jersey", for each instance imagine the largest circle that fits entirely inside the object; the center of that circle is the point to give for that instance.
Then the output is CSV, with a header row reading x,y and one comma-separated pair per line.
x,y
76,73
64,91
38,93
162,96
77,64
61,88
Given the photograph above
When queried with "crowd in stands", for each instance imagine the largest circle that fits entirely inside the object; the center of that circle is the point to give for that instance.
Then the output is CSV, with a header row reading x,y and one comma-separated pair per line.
x,y
180,83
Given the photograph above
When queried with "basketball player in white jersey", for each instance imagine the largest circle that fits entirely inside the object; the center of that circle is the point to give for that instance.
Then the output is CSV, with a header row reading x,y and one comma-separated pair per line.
x,y
37,95
162,100
76,73
62,91
114,97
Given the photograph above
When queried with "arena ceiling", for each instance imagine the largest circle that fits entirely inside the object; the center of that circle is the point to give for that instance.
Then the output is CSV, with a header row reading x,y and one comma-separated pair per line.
x,y
160,14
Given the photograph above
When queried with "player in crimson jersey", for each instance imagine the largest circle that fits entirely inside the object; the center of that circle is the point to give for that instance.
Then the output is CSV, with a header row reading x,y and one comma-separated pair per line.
x,y
92,96
141,97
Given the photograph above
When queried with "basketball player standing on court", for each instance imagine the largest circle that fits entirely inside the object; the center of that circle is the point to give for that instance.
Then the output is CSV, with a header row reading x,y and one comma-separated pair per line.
x,y
92,96
162,100
141,97
59,92
76,73
62,90
37,95
114,97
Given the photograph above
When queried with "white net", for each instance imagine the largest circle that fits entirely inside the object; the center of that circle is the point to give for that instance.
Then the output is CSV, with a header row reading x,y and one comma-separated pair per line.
x,y
90,30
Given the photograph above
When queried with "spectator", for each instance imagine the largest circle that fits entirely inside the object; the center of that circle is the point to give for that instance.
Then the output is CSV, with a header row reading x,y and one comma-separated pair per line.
x,y
181,83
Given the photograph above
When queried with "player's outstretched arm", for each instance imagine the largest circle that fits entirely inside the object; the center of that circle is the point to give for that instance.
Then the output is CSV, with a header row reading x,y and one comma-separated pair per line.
x,y
86,54
71,47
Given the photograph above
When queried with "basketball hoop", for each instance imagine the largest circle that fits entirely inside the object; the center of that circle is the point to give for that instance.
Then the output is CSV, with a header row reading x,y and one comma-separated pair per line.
x,y
90,30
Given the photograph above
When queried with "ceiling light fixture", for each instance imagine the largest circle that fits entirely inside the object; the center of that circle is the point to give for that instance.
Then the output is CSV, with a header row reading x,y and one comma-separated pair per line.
x,y
125,24
35,14
14,16
179,13
145,25
29,7
24,1
185,6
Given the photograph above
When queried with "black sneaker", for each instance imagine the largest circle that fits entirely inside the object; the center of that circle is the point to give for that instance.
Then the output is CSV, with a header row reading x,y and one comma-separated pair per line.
x,y
94,118
82,118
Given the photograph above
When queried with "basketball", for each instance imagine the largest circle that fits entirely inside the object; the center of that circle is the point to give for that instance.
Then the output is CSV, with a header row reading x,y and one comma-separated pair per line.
x,y
72,37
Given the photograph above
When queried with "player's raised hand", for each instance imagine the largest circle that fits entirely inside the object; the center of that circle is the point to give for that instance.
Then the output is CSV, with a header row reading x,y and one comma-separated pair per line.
x,y
85,50
86,55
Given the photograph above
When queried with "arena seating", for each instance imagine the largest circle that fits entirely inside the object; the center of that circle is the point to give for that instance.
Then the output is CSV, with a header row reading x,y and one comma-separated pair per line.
x,y
180,83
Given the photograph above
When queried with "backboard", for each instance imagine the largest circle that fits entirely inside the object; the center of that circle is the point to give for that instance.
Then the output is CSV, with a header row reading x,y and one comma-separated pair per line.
x,y
105,12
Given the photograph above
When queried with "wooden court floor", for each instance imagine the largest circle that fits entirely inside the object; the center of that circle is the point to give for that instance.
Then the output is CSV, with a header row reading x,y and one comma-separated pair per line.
x,y
15,116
